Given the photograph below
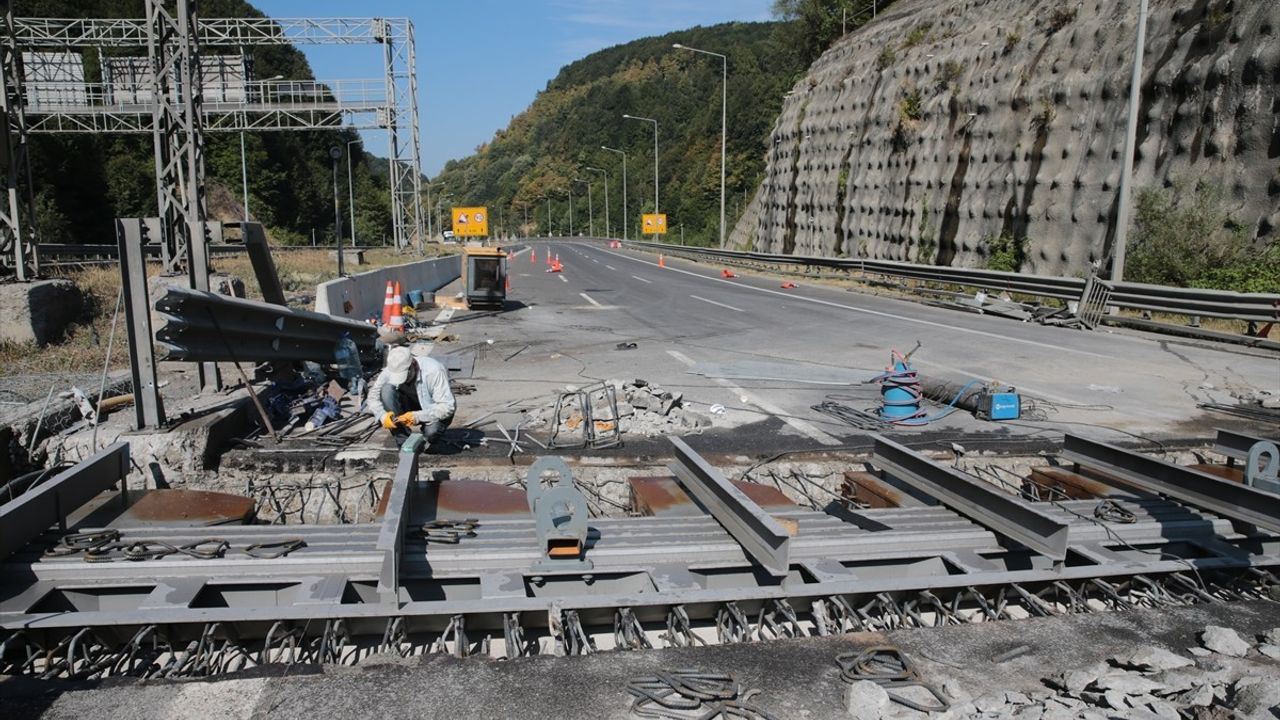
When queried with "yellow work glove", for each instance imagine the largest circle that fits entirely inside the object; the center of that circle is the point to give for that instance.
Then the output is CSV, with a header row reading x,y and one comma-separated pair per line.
x,y
405,418
388,421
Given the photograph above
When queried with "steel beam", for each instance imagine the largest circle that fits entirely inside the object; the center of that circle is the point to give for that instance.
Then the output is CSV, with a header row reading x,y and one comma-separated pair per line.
x,y
1236,445
396,516
208,327
30,514
984,504
1231,500
264,266
761,536
148,406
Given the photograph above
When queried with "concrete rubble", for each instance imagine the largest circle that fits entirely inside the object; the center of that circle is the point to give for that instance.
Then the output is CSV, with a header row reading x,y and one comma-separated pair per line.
x,y
1234,678
644,409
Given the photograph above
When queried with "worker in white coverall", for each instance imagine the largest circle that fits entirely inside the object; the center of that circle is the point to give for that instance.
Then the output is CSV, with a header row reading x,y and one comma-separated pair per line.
x,y
412,391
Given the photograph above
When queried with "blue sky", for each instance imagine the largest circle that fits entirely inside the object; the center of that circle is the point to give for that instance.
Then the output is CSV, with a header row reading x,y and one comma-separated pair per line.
x,y
480,62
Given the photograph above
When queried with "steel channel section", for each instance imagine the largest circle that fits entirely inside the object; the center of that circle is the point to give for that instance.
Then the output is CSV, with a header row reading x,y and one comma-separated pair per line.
x,y
1231,500
391,535
30,514
148,406
760,535
256,331
1236,445
984,504
264,266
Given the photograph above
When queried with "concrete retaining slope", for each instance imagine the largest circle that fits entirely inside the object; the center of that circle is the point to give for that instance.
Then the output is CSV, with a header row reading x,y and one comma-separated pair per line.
x,y
359,296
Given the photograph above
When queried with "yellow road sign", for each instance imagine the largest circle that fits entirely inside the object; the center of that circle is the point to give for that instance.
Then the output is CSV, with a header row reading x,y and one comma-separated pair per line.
x,y
471,222
655,224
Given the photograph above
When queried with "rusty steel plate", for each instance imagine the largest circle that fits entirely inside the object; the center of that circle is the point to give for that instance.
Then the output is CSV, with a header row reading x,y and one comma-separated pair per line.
x,y
871,491
662,496
187,508
1233,474
1074,485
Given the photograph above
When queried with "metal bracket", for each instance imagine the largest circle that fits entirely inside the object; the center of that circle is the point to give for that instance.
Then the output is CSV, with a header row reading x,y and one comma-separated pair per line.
x,y
560,516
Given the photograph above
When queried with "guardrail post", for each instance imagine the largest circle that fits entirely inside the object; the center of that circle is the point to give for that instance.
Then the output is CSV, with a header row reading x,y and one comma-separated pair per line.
x,y
148,406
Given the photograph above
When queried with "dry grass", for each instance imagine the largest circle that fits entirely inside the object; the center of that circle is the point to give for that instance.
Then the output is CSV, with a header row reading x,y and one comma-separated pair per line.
x,y
84,348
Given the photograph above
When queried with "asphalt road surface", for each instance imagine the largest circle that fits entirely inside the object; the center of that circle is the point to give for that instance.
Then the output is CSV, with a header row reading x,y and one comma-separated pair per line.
x,y
564,328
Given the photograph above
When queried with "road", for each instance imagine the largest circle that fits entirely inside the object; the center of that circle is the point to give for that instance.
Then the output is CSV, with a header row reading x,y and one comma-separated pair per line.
x,y
1110,385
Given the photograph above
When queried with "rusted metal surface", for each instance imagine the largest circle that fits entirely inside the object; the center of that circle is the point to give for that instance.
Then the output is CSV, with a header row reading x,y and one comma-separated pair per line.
x,y
869,490
459,499
1234,474
662,496
1074,485
187,508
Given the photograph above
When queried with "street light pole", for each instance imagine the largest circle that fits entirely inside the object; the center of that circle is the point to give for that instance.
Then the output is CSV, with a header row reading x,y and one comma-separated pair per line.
x,y
625,215
607,227
335,153
655,157
351,193
1130,140
430,231
570,209
591,213
724,112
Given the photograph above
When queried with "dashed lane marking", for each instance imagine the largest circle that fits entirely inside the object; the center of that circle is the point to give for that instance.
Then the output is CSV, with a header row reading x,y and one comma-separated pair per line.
x,y
803,426
588,298
713,302
642,279
866,311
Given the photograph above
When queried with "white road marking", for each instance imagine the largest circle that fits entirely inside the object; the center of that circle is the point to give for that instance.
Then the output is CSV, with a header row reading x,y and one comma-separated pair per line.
x,y
867,311
563,279
642,279
589,299
594,260
803,426
713,302
611,267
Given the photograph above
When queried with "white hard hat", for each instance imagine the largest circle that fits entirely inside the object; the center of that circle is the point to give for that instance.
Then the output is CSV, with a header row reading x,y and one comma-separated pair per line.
x,y
399,359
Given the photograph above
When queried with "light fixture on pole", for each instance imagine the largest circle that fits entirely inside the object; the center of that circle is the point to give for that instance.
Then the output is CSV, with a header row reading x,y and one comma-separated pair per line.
x,y
335,153
724,112
591,213
625,216
655,156
607,228
351,192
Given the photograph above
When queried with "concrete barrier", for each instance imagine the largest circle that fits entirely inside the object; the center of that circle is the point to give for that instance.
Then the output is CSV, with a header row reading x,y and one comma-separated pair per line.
x,y
360,296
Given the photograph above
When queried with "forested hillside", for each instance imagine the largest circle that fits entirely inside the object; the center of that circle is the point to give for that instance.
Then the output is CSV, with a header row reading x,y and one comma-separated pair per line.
x,y
551,143
82,182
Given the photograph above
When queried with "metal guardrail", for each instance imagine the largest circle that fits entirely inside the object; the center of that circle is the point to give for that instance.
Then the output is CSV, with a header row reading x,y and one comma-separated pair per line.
x,y
48,252
202,326
1255,307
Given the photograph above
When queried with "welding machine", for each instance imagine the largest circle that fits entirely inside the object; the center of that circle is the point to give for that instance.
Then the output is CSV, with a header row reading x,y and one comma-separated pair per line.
x,y
999,404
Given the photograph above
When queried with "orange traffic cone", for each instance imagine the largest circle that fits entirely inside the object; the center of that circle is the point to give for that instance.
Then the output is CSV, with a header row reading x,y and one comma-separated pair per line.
x,y
397,311
386,304
557,258
533,255
661,262
788,285
727,273
507,284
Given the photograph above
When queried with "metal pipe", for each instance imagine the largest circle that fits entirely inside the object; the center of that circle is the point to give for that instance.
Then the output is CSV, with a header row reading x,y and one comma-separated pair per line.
x,y
626,232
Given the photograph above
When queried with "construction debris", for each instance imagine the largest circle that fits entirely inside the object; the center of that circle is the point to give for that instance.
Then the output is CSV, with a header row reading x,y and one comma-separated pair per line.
x,y
643,410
